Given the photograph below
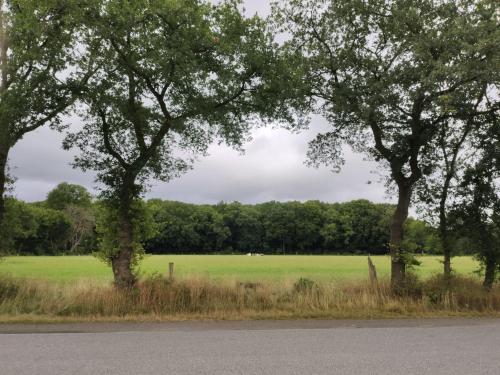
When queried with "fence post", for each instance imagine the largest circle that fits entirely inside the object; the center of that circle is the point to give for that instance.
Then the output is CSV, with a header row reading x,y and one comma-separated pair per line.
x,y
372,271
171,270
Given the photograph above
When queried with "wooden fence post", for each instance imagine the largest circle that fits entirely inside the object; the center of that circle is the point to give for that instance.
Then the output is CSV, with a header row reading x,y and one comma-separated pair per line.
x,y
171,270
373,273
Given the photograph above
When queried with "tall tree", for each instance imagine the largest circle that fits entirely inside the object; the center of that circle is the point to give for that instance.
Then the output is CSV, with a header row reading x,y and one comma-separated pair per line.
x,y
36,38
387,75
451,153
174,76
477,214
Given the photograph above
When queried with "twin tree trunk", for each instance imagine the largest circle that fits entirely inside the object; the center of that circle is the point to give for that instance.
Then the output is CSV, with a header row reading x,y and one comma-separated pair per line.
x,y
398,264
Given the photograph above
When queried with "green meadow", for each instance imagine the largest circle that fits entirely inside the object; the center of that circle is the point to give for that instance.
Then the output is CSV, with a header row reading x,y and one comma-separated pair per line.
x,y
223,267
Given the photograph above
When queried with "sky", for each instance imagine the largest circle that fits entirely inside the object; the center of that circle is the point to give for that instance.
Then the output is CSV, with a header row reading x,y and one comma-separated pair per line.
x,y
271,168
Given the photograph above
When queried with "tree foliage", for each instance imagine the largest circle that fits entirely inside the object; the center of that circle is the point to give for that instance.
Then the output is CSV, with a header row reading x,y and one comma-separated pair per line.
x,y
166,227
388,74
34,229
357,227
38,75
476,214
65,195
62,224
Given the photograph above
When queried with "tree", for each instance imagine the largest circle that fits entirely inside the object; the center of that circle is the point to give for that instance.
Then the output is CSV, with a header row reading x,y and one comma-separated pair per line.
x,y
420,237
65,195
36,39
173,76
52,234
175,228
19,224
209,226
109,223
83,223
279,224
477,214
309,219
245,227
76,203
451,154
357,226
387,75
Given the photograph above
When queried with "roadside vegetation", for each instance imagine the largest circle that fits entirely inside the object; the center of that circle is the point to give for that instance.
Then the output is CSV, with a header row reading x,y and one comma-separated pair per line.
x,y
159,299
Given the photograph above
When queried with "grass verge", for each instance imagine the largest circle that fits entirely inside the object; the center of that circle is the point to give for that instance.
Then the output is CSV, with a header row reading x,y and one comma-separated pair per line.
x,y
157,299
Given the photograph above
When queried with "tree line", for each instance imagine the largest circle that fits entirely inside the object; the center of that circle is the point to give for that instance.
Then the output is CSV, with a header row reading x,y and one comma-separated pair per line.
x,y
411,84
67,222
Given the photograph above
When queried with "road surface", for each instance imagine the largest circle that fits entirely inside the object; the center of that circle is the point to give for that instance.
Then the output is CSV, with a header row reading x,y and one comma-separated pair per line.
x,y
440,346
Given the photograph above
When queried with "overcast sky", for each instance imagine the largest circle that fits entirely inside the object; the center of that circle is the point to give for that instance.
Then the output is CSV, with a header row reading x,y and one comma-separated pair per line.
x,y
272,168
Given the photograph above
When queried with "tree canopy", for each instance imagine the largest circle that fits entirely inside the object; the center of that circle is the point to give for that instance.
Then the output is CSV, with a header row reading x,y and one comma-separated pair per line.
x,y
65,195
38,75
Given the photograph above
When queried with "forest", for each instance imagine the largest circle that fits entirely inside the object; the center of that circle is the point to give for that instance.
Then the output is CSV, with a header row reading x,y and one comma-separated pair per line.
x,y
67,222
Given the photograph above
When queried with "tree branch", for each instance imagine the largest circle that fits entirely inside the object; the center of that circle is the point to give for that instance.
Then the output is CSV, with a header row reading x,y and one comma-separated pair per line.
x,y
107,140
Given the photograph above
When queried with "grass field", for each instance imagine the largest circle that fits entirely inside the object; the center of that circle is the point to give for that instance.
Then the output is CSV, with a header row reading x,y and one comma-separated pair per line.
x,y
55,289
227,267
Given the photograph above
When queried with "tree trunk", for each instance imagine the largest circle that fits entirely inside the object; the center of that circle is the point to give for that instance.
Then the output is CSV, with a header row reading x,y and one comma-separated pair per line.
x,y
4,154
445,239
446,245
443,220
122,262
5,137
489,274
398,266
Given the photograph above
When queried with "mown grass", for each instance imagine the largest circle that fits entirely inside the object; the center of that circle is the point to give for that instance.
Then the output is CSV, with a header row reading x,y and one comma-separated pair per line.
x,y
159,299
224,267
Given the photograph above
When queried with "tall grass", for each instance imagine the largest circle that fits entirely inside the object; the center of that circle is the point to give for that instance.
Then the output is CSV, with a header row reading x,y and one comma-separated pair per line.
x,y
158,299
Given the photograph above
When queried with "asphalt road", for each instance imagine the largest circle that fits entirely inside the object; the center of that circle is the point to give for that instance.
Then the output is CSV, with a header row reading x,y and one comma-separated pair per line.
x,y
287,347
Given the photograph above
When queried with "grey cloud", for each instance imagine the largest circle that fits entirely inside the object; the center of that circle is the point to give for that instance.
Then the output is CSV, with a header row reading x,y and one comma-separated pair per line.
x,y
272,167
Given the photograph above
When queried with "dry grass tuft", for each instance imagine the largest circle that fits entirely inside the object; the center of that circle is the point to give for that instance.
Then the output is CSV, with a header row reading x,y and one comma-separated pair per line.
x,y
158,299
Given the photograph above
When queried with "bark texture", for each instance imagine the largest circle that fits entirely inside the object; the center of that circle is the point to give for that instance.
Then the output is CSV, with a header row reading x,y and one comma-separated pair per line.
x,y
122,262
398,265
